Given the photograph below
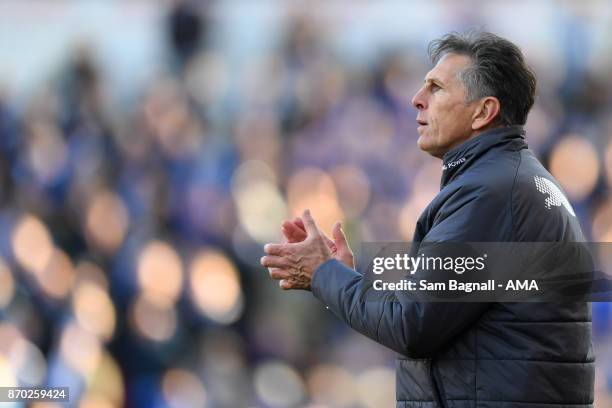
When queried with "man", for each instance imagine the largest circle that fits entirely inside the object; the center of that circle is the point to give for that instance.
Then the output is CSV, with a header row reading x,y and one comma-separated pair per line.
x,y
471,109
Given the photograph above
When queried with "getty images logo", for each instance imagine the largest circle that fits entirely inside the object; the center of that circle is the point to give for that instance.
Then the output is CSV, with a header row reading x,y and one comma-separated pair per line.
x,y
555,196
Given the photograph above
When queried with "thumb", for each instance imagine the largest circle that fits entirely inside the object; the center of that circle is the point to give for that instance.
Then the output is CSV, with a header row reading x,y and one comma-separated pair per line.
x,y
339,237
309,223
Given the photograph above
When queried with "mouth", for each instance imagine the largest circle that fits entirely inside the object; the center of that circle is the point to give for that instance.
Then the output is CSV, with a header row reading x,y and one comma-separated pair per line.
x,y
421,122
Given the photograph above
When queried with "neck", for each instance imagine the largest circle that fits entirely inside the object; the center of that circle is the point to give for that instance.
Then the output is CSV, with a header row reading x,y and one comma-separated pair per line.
x,y
474,134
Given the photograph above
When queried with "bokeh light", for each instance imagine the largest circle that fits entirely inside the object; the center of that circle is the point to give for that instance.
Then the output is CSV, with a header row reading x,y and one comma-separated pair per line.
x,y
107,221
96,401
602,222
608,162
9,335
80,349
28,363
183,389
602,398
225,367
94,310
260,206
47,405
7,284
575,164
160,272
12,354
215,286
314,189
278,385
32,244
408,217
7,377
155,321
333,386
376,387
105,386
58,277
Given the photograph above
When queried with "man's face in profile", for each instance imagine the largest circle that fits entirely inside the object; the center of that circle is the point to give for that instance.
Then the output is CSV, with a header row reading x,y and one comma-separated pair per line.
x,y
445,120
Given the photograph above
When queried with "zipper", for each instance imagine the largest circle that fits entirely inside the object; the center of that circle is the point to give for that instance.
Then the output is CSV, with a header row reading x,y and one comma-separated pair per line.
x,y
436,384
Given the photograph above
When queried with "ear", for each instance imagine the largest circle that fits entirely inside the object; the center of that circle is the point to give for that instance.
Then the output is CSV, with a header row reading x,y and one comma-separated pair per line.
x,y
486,113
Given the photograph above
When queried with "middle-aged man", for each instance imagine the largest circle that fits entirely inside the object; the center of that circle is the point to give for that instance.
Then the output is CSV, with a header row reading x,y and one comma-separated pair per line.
x,y
471,109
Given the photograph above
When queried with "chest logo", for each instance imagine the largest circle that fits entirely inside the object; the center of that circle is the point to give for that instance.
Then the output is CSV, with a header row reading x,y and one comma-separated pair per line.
x,y
555,195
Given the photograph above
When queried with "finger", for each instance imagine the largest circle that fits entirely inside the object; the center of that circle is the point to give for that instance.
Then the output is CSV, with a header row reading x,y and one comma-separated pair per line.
x,y
309,223
287,284
292,232
339,237
295,223
299,223
292,223
329,242
286,239
275,249
277,273
271,261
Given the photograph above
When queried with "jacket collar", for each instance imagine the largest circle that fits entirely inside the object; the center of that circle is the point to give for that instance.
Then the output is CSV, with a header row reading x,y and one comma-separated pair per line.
x,y
458,159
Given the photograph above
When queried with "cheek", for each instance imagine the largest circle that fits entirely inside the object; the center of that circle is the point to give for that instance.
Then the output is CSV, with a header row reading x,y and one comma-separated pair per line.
x,y
438,113
462,120
437,125
451,119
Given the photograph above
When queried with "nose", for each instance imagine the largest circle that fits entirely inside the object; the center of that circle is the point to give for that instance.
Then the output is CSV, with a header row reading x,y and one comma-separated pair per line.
x,y
419,101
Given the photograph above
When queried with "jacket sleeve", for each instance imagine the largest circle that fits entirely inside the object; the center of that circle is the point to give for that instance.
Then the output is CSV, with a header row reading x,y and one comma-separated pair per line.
x,y
412,328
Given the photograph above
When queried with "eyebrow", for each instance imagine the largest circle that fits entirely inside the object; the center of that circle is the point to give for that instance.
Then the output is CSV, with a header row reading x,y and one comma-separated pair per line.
x,y
434,80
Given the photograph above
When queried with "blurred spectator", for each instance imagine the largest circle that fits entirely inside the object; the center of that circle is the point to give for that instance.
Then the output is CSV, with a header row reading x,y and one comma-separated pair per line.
x,y
187,29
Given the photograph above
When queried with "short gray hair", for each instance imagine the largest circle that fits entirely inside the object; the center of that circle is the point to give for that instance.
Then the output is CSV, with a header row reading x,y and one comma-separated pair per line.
x,y
498,69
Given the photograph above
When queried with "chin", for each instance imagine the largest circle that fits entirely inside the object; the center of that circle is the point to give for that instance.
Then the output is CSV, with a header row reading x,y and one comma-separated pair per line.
x,y
424,144
430,148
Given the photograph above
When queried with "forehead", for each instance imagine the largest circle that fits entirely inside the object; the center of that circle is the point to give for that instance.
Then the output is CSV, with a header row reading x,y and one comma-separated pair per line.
x,y
448,67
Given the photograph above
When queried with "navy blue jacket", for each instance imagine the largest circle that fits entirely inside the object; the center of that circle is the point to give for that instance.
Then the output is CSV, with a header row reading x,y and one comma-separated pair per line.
x,y
485,355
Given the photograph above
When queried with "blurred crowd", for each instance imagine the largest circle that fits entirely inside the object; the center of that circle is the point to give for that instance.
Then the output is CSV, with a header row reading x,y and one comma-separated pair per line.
x,y
130,234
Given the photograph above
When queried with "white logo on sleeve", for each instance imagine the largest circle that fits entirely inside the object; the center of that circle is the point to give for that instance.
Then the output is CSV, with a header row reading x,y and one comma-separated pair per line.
x,y
555,196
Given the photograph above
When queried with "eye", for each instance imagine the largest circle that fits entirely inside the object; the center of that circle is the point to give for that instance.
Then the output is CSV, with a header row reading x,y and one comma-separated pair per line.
x,y
435,87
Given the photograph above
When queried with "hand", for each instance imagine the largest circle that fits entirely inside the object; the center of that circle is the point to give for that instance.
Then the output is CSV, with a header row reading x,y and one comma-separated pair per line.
x,y
294,231
294,263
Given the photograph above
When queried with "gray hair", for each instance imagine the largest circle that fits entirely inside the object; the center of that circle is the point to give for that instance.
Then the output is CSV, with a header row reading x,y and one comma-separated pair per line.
x,y
498,69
